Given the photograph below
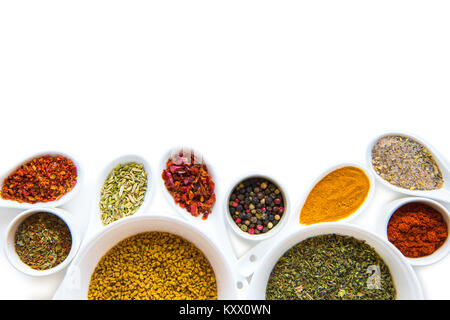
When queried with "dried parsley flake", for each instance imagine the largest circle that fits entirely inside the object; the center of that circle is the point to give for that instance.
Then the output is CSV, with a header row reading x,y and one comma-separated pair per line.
x,y
330,267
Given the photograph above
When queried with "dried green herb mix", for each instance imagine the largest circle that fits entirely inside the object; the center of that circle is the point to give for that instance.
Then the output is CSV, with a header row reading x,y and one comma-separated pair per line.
x,y
43,241
330,267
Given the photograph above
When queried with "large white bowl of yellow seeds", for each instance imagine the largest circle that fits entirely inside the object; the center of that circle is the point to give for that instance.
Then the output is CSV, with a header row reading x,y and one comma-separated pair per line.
x,y
139,253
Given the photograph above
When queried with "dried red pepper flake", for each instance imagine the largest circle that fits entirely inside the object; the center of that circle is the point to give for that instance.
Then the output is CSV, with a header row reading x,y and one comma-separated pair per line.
x,y
188,181
42,179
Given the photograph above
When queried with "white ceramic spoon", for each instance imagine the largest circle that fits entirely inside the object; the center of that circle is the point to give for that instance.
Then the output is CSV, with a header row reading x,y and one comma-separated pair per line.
x,y
50,204
442,194
95,223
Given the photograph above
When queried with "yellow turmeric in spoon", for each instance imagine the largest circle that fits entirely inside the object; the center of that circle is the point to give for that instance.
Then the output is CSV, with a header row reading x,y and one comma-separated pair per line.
x,y
336,196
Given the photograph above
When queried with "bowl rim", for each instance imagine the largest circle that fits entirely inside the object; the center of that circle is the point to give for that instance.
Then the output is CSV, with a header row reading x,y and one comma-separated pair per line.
x,y
9,245
437,255
272,232
362,208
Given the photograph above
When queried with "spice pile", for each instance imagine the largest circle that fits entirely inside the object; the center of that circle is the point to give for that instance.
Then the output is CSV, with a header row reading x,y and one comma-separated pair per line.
x,y
153,266
42,241
330,267
188,181
123,192
337,196
417,229
256,205
406,163
43,179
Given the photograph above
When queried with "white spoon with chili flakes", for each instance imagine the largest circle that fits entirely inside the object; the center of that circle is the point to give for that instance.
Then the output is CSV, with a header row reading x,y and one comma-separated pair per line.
x,y
407,164
61,199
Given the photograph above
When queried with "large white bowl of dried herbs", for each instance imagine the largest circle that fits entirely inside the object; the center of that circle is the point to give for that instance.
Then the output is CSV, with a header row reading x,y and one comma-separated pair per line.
x,y
331,261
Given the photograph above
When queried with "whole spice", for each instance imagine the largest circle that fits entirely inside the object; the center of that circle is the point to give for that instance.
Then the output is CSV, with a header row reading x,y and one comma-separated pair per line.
x,y
406,163
123,192
331,267
256,205
336,196
417,229
188,181
153,266
42,179
42,241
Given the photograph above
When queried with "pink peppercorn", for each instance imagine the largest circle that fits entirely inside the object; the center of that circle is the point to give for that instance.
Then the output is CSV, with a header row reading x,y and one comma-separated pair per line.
x,y
251,231
259,227
238,220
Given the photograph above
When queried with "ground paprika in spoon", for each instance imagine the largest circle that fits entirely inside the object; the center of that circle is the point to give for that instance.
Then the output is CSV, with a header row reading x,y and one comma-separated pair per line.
x,y
417,229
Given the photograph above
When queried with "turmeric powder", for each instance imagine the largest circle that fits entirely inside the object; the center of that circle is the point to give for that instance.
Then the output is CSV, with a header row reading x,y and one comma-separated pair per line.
x,y
336,196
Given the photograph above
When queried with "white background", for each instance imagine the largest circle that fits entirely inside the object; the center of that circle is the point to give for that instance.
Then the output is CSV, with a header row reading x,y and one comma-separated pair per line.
x,y
287,88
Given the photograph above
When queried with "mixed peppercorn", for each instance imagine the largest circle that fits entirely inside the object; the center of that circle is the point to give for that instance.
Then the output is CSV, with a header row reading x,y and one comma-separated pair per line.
x,y
256,205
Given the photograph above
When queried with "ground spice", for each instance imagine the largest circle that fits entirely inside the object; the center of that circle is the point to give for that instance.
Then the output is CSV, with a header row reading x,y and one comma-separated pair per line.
x,y
331,267
188,181
42,241
256,205
43,179
123,192
338,195
406,163
153,266
417,229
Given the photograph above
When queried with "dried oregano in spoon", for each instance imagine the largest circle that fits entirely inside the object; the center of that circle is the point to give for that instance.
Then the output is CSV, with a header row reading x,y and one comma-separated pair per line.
x,y
123,192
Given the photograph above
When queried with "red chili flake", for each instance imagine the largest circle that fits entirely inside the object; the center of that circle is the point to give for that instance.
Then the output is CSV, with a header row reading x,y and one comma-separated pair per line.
x,y
190,184
42,179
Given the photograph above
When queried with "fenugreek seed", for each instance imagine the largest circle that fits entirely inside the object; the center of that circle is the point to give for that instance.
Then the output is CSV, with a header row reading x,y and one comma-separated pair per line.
x,y
134,264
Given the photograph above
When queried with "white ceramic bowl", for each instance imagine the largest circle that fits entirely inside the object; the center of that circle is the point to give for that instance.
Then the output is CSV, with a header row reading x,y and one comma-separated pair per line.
x,y
396,204
405,279
76,283
442,194
50,204
96,222
262,236
10,242
366,202
183,213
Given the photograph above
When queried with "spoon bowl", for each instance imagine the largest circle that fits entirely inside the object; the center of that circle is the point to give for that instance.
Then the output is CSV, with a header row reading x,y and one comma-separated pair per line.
x,y
441,194
5,203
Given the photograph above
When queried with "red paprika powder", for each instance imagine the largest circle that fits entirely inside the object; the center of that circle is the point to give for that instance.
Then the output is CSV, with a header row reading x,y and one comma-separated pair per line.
x,y
417,229
188,181
42,179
